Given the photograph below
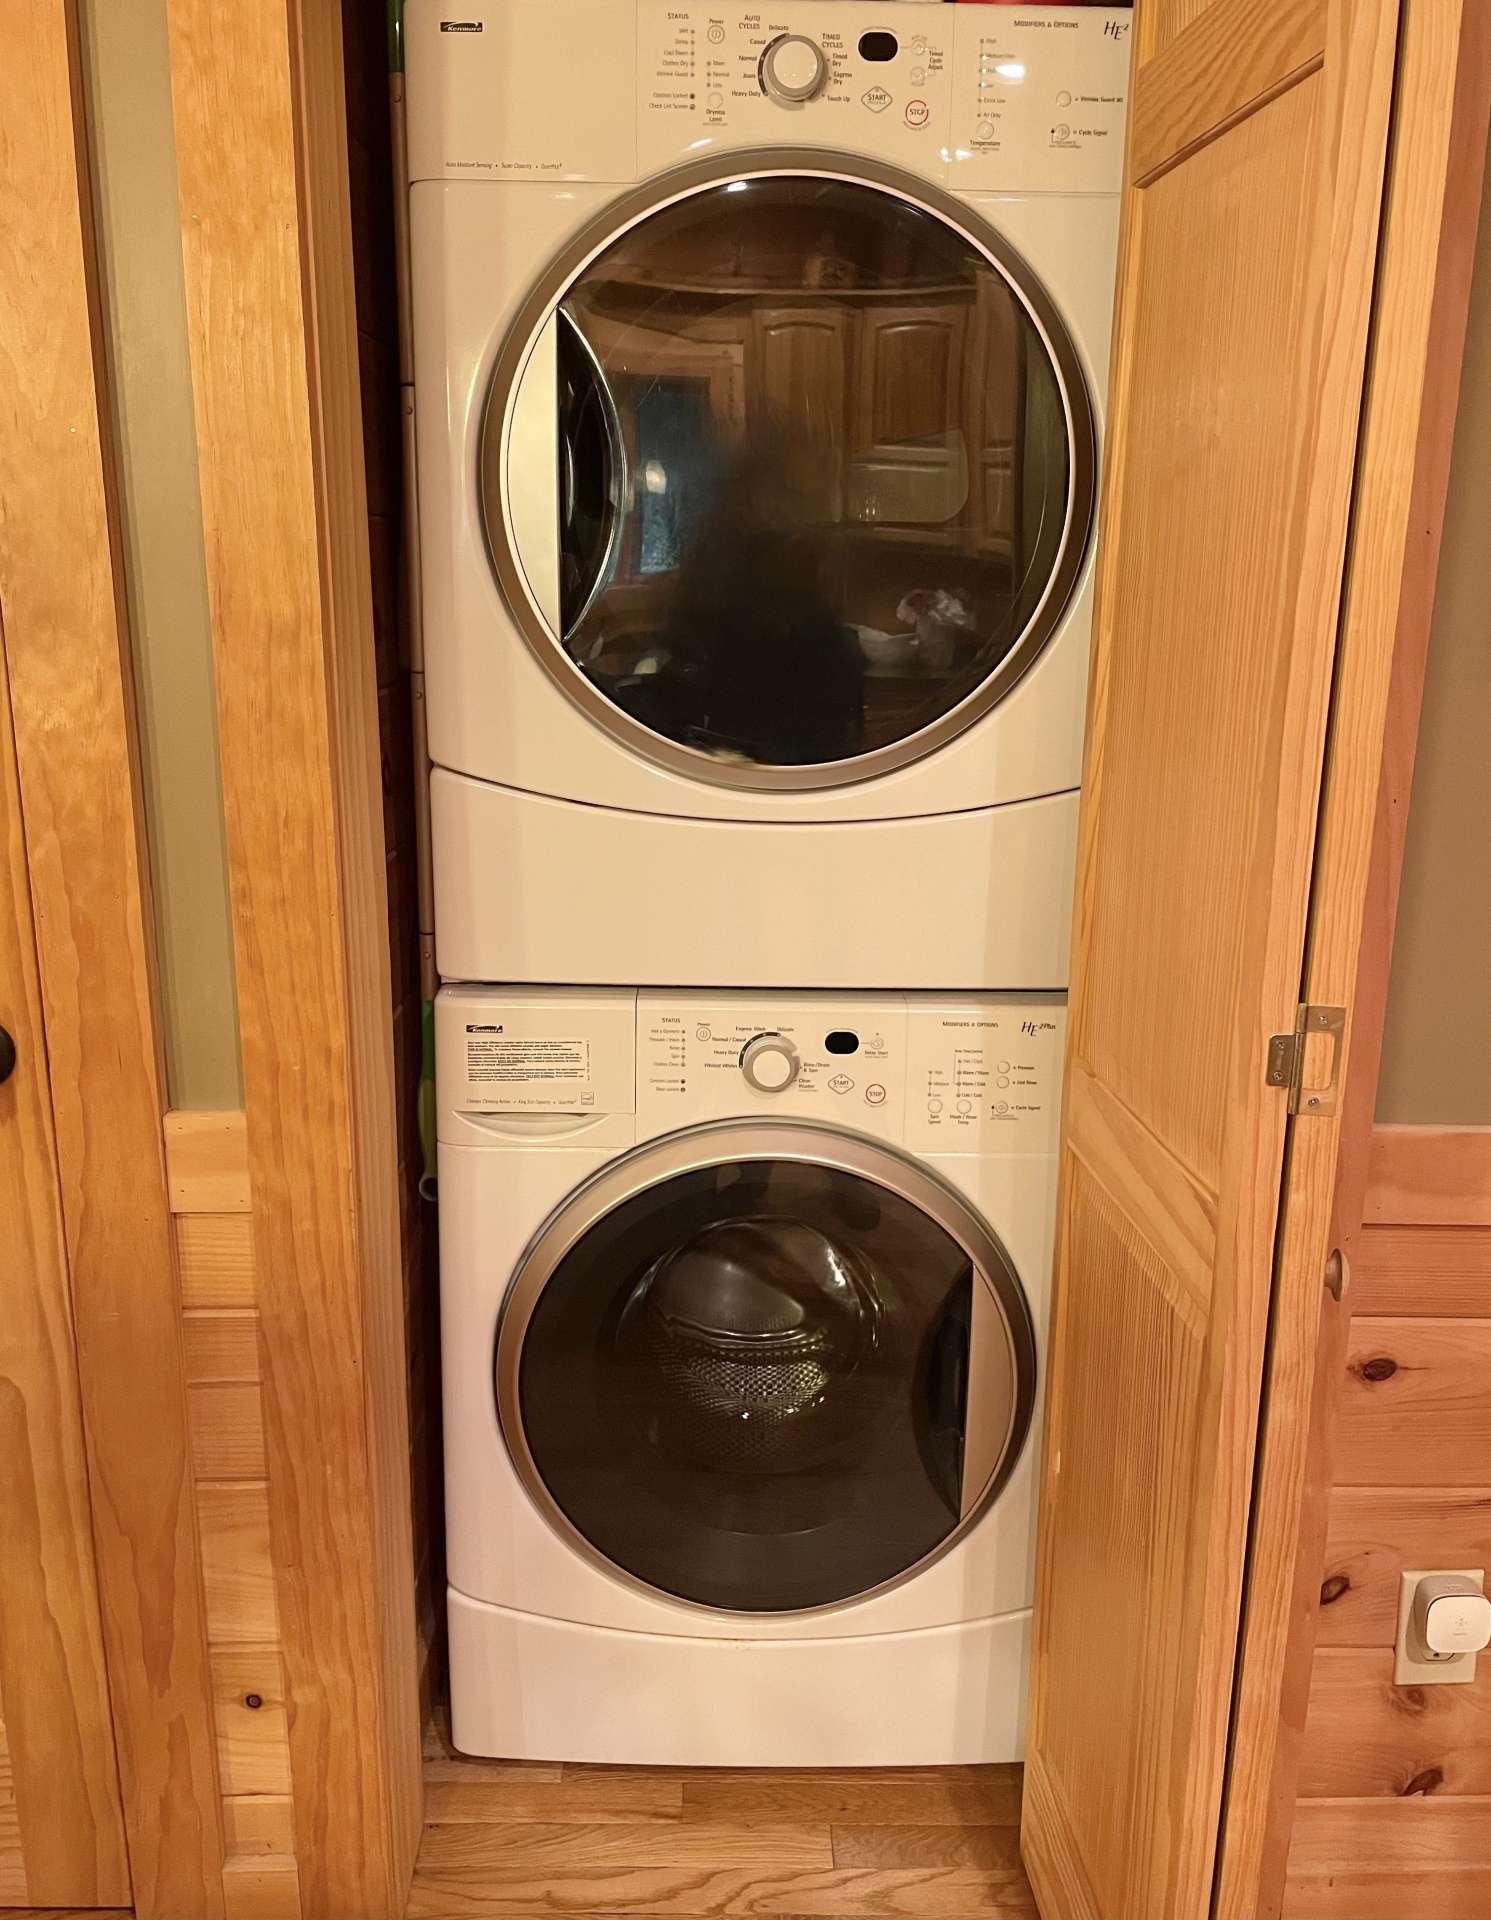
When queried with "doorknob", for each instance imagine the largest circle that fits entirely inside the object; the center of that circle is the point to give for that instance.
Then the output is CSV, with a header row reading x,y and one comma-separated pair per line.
x,y
1337,1274
7,1056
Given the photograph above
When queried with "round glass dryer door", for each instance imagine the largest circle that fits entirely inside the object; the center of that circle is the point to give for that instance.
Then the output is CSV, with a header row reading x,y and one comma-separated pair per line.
x,y
788,477
764,1368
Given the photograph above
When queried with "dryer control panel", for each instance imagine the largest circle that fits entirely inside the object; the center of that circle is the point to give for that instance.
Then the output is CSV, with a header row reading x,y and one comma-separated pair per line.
x,y
874,79
1008,99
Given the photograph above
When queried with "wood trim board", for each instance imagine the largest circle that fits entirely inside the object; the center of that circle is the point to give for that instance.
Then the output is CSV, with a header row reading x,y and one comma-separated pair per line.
x,y
71,691
1430,1176
262,174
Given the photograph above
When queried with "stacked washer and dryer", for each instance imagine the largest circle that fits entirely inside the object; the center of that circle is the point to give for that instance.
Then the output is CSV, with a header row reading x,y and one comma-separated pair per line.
x,y
759,360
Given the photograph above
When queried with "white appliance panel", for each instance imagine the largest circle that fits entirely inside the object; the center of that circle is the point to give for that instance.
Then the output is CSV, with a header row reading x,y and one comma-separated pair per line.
x,y
940,1696
532,889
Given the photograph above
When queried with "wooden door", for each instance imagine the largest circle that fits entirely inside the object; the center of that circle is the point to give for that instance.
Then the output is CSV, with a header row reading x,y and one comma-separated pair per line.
x,y
61,1834
1252,201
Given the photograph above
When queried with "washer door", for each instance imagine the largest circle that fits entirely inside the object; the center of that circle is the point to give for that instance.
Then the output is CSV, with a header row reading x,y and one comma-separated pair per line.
x,y
788,476
765,1368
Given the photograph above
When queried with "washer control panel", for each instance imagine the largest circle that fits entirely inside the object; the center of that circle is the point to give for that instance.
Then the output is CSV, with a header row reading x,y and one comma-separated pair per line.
x,y
976,1074
985,1075
832,1057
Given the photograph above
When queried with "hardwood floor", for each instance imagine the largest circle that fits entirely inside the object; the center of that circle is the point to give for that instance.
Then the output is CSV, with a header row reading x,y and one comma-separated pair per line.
x,y
520,1839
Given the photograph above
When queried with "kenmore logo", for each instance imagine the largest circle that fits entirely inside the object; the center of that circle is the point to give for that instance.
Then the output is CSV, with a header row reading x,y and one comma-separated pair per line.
x,y
471,1029
460,26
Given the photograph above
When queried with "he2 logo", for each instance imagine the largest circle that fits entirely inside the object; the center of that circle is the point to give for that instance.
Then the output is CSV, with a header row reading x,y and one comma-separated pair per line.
x,y
1115,29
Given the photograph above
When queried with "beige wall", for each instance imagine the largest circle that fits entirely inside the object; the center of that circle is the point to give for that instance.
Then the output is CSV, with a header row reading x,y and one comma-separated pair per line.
x,y
134,171
1436,1065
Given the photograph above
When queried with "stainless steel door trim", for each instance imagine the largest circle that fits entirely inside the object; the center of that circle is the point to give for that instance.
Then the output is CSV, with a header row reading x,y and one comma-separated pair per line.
x,y
1002,1335
504,392
993,1394
533,444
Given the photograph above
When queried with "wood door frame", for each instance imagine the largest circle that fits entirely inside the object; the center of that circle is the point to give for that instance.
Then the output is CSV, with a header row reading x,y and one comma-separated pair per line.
x,y
66,645
1433,196
262,166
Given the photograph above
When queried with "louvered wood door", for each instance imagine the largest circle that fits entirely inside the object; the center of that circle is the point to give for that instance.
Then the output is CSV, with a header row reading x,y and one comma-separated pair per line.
x,y
1252,201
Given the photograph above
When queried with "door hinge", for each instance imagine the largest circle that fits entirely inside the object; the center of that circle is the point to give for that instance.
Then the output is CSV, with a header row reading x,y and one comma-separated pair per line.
x,y
1291,1058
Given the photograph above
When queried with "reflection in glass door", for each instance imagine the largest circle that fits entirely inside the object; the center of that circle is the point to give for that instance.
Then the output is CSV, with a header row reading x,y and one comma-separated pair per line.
x,y
826,470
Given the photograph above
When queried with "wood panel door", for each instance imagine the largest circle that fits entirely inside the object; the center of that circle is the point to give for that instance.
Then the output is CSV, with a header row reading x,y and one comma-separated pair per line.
x,y
1252,202
61,1833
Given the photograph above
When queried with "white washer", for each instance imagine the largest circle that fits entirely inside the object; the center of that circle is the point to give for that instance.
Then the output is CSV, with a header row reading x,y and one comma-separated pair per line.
x,y
759,361
743,1304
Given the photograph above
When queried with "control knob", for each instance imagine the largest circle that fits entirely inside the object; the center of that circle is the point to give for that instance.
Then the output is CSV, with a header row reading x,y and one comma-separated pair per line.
x,y
794,69
769,1063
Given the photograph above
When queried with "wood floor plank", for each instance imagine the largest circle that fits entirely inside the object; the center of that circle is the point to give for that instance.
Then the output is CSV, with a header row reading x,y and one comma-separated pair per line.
x,y
935,1846
986,1774
633,1797
519,1773
869,1799
538,1847
451,1889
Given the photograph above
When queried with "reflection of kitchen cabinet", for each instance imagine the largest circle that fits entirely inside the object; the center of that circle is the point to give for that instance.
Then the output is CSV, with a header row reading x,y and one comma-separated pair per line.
x,y
993,401
910,467
798,381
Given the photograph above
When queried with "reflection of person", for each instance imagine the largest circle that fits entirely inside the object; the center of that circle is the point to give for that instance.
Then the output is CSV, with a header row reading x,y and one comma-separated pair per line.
x,y
778,674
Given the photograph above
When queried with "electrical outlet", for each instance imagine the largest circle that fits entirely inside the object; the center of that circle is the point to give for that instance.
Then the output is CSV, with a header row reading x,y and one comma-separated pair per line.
x,y
1414,1664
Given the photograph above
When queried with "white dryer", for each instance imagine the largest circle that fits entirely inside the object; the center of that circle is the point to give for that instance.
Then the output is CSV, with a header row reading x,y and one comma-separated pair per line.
x,y
743,1305
759,360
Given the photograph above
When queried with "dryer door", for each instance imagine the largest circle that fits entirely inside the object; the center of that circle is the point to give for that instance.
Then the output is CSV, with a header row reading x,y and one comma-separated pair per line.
x,y
788,475
765,1368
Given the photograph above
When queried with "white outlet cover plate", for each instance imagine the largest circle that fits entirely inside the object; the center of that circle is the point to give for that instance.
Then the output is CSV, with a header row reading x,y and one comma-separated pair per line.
x,y
1408,1672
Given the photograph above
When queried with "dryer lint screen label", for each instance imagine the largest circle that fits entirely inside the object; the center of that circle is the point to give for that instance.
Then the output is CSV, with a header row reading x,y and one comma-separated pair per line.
x,y
505,1070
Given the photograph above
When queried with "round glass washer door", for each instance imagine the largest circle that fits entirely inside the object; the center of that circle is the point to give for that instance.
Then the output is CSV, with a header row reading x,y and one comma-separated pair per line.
x,y
788,474
764,1368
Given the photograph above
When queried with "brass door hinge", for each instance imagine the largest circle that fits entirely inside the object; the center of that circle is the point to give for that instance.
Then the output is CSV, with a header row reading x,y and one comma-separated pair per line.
x,y
1291,1057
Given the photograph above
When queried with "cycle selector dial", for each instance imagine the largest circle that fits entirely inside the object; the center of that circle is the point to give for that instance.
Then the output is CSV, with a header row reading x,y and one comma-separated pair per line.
x,y
769,1063
794,69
